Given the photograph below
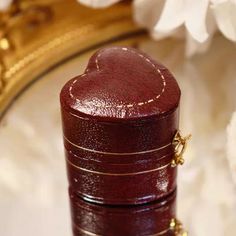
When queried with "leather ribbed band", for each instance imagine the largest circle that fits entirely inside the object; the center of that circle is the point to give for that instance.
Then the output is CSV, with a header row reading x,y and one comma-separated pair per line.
x,y
100,220
121,183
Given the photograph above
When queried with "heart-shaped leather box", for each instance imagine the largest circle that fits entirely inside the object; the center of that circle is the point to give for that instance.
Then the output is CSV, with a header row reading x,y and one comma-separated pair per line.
x,y
119,120
157,218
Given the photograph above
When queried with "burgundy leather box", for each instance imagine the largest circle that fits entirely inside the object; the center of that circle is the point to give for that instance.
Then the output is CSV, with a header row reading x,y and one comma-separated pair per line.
x,y
119,121
157,218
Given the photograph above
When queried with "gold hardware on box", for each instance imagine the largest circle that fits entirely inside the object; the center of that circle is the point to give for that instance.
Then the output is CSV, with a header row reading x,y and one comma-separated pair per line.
x,y
180,144
177,227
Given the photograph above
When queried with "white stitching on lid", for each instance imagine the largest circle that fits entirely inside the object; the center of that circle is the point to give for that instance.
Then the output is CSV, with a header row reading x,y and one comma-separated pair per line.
x,y
126,105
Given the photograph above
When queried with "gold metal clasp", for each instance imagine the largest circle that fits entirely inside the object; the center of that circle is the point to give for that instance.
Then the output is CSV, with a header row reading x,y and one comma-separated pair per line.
x,y
180,144
177,227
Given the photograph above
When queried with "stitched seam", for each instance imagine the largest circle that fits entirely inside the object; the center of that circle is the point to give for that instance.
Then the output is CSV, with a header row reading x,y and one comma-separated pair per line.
x,y
127,105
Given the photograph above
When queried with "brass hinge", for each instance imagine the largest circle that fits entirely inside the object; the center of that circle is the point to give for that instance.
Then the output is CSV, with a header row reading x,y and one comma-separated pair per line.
x,y
177,227
180,144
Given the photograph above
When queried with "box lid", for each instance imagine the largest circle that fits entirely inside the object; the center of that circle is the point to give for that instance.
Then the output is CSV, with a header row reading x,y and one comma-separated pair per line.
x,y
121,83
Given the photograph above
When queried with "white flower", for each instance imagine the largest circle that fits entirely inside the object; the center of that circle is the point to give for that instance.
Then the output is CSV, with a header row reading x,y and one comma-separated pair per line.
x,y
195,20
225,15
190,13
4,4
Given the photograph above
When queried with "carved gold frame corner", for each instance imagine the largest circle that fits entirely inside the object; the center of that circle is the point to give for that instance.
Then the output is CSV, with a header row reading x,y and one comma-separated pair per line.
x,y
37,35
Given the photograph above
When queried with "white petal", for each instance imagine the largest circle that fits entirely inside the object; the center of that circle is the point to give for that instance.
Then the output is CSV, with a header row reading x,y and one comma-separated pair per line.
x,y
147,12
4,4
98,3
231,144
172,16
195,19
193,47
225,14
178,34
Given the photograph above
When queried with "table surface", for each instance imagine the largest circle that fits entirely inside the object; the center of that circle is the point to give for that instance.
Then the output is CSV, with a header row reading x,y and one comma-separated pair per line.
x,y
33,185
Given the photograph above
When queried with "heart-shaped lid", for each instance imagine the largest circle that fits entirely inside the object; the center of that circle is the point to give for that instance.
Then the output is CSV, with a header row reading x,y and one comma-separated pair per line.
x,y
121,83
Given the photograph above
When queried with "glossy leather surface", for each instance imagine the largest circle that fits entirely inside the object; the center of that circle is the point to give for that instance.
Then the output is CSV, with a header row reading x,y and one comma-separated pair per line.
x,y
119,119
144,220
121,83
121,184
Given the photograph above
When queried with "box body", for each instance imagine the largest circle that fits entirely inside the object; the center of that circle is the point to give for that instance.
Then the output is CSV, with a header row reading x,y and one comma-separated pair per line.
x,y
119,120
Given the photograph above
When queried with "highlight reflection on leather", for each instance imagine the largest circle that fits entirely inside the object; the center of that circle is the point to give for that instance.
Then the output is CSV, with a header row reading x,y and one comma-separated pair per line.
x,y
120,186
144,220
123,106
149,87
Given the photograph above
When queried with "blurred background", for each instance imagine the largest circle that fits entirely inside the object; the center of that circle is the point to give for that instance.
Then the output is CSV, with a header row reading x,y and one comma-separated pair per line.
x,y
45,43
